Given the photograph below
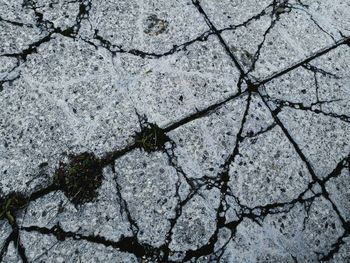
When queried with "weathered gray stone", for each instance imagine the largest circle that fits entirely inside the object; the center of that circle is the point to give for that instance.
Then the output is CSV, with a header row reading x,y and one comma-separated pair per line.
x,y
303,234
174,131
148,185
150,26
201,145
46,248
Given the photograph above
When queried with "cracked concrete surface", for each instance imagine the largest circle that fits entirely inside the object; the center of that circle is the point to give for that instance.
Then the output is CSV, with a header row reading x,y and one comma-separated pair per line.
x,y
216,131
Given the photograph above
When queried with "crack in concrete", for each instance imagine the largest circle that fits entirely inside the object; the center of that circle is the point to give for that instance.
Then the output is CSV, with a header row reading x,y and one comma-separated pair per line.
x,y
256,214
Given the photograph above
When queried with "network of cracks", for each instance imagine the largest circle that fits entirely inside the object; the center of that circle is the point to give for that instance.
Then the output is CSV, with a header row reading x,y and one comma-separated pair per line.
x,y
276,167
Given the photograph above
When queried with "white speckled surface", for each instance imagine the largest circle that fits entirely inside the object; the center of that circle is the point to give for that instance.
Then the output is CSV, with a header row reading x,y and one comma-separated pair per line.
x,y
174,131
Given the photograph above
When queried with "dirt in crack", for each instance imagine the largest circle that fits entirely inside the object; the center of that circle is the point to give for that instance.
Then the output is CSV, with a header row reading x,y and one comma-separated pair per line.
x,y
80,178
151,138
251,87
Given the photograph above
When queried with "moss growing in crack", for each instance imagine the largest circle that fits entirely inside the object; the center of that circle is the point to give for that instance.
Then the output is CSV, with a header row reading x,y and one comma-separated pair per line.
x,y
151,138
80,179
10,205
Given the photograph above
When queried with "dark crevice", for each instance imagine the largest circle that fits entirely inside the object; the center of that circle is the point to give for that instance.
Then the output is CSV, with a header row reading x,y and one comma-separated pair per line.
x,y
300,106
224,179
117,49
315,22
304,61
315,178
256,17
124,208
9,205
15,23
262,131
291,140
202,113
125,244
222,41
5,245
82,176
260,46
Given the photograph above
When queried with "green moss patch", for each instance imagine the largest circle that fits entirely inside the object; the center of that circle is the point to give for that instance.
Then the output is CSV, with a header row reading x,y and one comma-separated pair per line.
x,y
80,178
10,205
151,138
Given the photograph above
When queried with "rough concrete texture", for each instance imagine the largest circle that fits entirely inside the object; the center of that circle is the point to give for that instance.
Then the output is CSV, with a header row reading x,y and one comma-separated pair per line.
x,y
175,131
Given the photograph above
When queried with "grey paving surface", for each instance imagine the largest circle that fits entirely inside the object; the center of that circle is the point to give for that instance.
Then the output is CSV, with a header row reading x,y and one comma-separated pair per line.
x,y
175,131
